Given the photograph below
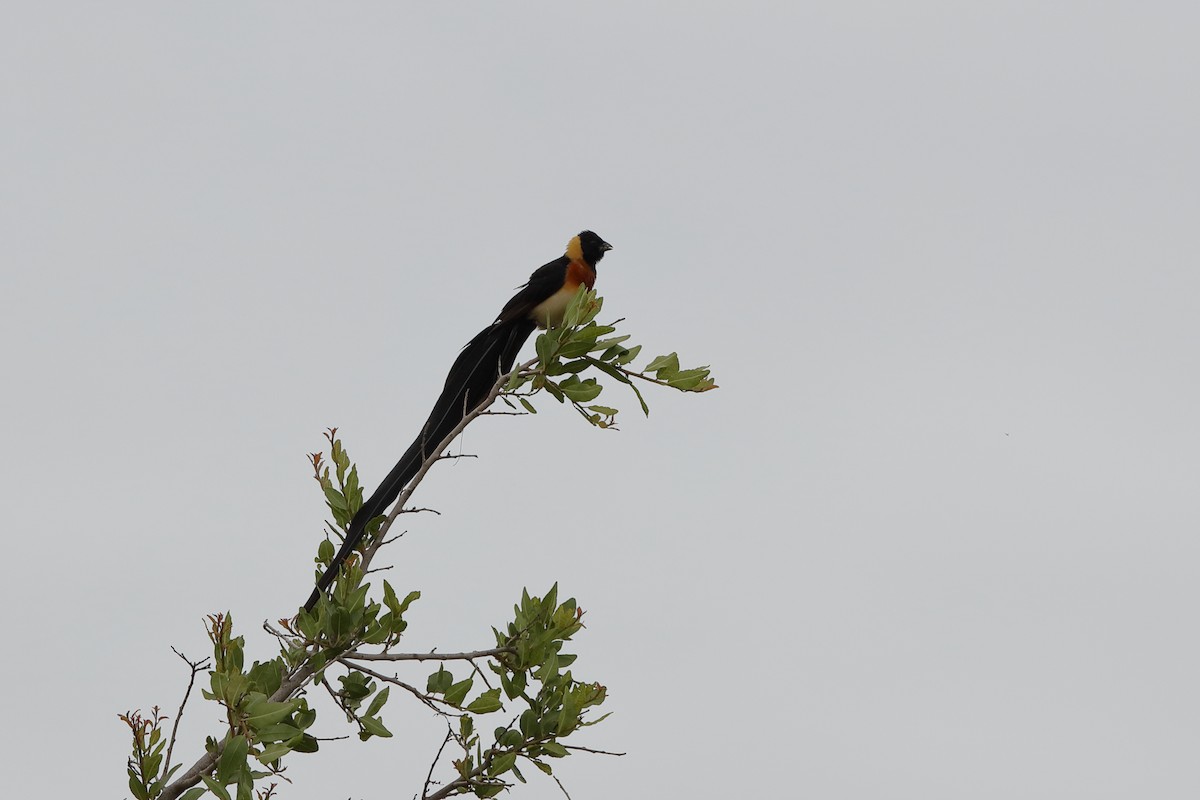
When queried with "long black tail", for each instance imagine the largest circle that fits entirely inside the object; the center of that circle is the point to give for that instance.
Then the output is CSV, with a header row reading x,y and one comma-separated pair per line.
x,y
485,358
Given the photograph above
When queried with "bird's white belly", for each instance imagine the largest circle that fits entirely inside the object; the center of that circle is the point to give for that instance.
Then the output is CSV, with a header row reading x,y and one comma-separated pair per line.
x,y
549,313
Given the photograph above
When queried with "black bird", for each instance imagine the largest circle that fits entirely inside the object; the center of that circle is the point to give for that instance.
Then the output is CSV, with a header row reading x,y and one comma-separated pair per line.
x,y
540,303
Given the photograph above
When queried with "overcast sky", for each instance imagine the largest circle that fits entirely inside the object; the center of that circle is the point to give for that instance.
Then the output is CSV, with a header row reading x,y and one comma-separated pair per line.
x,y
934,537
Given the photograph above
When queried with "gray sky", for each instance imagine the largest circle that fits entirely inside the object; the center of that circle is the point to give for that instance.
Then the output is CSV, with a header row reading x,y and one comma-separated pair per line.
x,y
936,535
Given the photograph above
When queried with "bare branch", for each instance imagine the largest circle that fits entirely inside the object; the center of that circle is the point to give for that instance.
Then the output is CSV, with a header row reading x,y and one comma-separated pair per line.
x,y
560,786
591,750
194,666
436,759
427,699
451,456
430,656
482,676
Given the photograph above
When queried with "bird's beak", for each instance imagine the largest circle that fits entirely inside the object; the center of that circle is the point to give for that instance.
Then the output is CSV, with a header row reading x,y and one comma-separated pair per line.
x,y
605,246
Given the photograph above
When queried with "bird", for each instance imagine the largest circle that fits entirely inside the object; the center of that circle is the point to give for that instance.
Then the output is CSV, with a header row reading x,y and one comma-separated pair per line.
x,y
540,303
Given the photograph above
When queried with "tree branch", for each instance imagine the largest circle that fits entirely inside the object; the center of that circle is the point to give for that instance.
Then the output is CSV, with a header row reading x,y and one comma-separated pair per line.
x,y
194,666
427,699
300,675
430,656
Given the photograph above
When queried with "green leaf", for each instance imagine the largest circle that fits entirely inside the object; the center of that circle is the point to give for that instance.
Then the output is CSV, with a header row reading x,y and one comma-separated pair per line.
x,y
529,724
610,370
578,307
262,714
642,400
278,733
628,355
337,624
266,676
584,391
379,632
515,379
605,410
458,692
377,702
502,764
273,752
542,346
409,599
669,362
596,721
194,793
543,766
307,744
374,726
528,405
215,788
604,344
233,759
355,685
688,379
549,668
555,750
576,349
389,598
245,786
439,681
486,703
573,367
335,500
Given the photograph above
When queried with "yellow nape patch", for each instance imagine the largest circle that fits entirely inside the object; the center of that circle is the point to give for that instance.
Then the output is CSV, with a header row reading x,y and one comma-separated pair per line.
x,y
575,249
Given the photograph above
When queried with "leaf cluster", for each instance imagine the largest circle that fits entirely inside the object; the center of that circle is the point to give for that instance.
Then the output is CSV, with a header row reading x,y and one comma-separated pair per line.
x,y
580,344
533,675
145,764
258,726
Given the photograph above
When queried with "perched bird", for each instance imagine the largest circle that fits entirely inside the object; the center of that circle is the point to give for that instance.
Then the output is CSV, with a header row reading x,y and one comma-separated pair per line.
x,y
540,303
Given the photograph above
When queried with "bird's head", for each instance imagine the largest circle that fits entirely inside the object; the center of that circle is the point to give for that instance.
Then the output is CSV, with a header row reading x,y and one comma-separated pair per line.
x,y
587,247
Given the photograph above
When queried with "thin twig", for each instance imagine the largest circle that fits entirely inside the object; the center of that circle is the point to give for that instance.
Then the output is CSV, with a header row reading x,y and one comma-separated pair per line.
x,y
194,666
436,759
427,699
278,634
560,786
399,535
486,682
592,750
338,700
